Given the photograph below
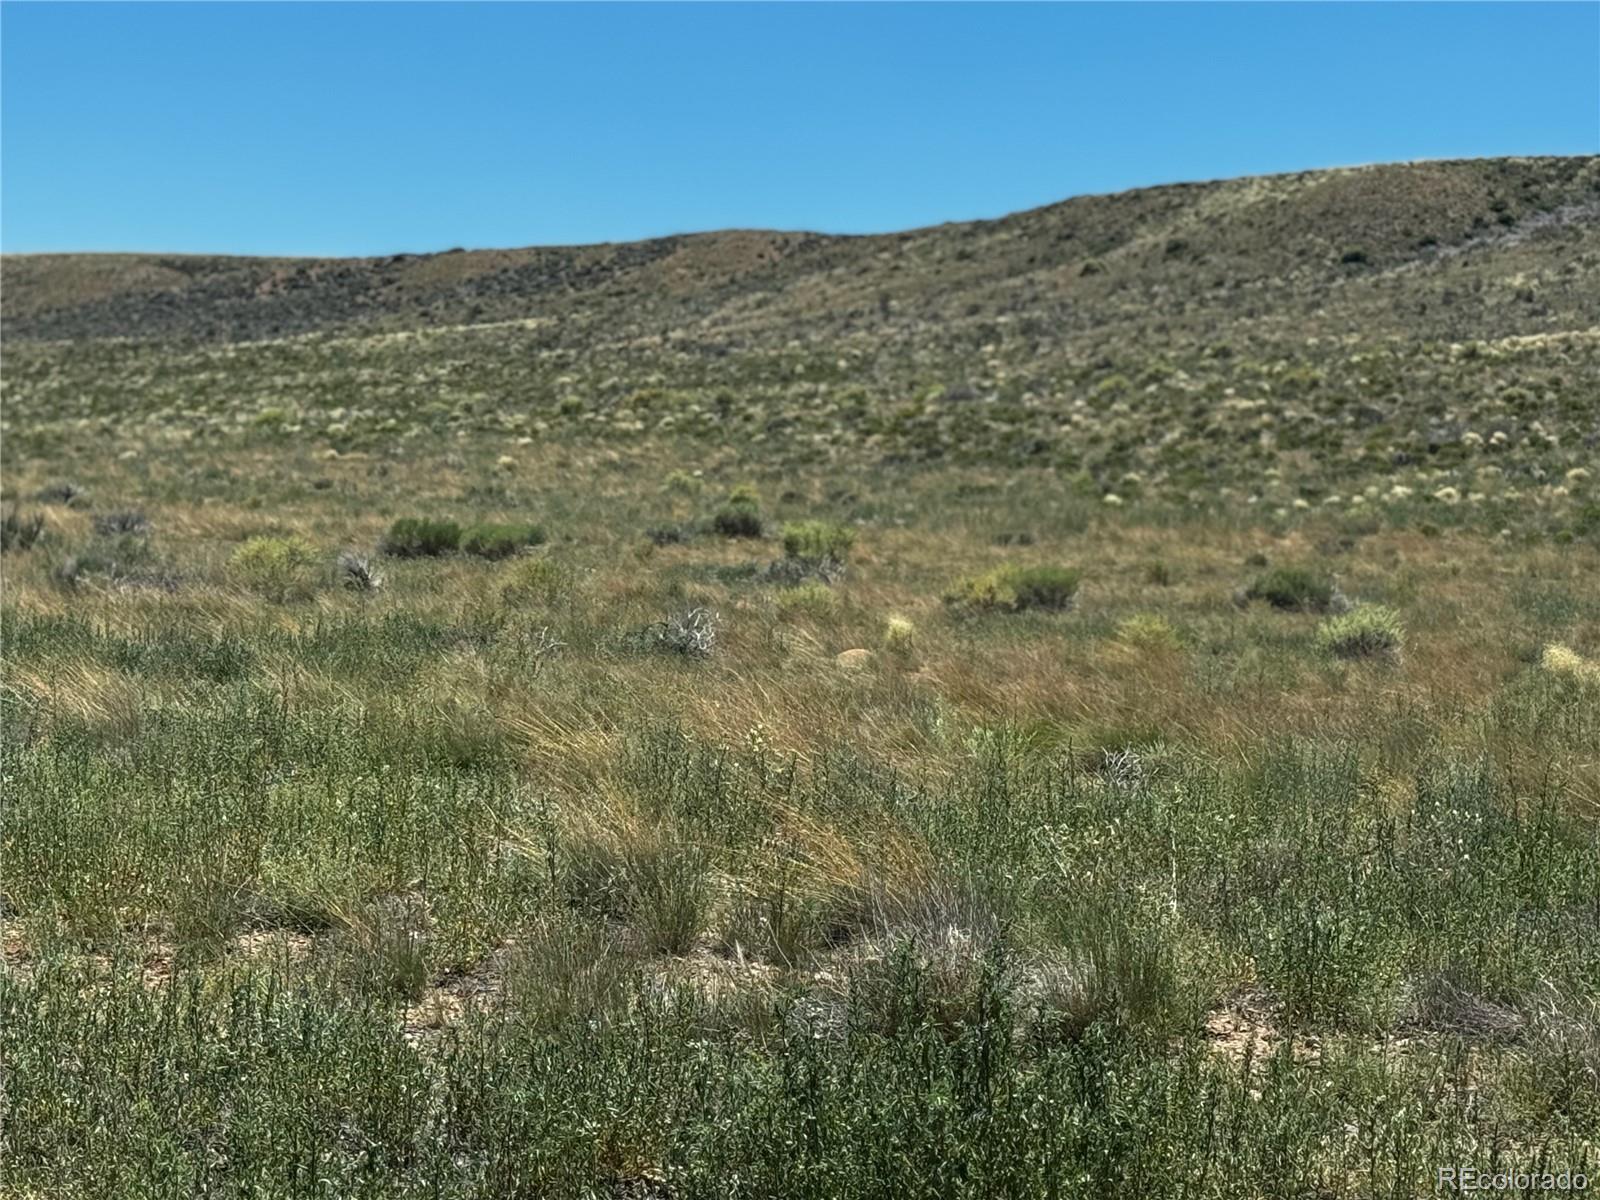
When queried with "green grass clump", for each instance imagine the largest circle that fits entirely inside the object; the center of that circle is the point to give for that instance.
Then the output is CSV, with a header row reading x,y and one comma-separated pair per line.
x,y
1566,663
1367,631
1016,589
1148,631
533,580
813,541
279,568
1294,589
490,540
682,483
900,636
421,537
809,599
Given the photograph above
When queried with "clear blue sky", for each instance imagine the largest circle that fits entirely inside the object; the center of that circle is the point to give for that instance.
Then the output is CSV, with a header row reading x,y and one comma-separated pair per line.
x,y
374,128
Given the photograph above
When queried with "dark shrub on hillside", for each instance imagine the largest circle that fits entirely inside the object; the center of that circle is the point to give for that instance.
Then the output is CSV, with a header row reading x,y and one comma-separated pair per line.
x,y
421,537
489,540
1292,588
1014,537
20,533
60,493
130,523
668,535
738,521
357,574
1046,587
692,634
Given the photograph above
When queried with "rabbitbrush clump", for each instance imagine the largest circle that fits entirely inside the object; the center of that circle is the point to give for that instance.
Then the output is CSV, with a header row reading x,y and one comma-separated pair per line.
x,y
1366,631
1016,589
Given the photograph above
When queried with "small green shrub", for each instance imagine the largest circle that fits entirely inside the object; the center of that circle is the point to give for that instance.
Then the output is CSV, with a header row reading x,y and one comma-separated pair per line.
x,y
811,599
681,483
421,537
1366,631
280,568
489,540
814,541
533,580
1015,589
737,521
1148,631
740,514
900,636
1293,589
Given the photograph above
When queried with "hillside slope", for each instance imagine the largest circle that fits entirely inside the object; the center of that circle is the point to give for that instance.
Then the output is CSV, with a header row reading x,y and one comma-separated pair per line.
x,y
1298,337
1350,249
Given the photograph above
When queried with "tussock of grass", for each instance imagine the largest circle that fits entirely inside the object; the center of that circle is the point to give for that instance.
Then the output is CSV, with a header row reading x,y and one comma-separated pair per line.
x,y
1568,664
811,599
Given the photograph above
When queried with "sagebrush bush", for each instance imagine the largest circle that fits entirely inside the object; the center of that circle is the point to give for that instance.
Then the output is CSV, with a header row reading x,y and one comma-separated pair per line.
x,y
487,539
737,521
125,559
1293,589
69,494
280,568
421,537
1366,631
814,541
20,533
682,483
740,514
130,523
668,535
692,634
1015,589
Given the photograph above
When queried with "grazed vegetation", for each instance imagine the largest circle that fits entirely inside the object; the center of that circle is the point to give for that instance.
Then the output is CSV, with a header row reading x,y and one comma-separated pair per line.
x,y
485,762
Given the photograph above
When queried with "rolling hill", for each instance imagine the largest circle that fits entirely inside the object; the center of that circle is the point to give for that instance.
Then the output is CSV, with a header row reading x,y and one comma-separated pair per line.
x,y
1331,328
1450,249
